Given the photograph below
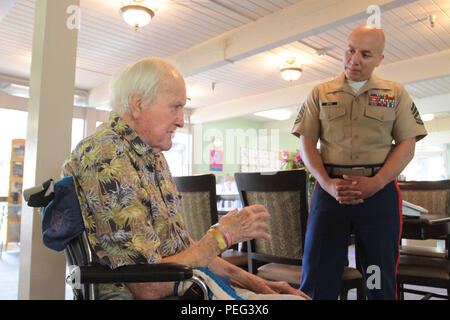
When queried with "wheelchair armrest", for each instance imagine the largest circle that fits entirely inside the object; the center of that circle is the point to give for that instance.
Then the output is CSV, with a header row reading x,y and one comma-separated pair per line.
x,y
159,272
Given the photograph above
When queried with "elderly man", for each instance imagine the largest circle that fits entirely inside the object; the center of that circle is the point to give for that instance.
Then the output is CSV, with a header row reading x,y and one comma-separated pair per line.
x,y
356,117
128,198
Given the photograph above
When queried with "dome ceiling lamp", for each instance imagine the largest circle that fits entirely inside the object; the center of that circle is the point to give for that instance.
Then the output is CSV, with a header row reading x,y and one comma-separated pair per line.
x,y
136,14
291,71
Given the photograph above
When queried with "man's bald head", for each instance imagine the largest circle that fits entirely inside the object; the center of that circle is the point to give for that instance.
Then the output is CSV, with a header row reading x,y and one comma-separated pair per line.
x,y
371,34
364,52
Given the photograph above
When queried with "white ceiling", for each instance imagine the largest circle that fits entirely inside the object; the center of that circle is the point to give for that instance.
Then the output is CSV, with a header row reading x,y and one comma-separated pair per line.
x,y
254,39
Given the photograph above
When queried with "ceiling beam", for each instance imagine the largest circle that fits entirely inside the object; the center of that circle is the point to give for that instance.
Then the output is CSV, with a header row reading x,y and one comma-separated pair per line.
x,y
424,67
21,81
421,68
306,18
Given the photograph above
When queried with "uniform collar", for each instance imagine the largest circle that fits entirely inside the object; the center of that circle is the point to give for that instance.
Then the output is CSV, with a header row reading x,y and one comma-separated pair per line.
x,y
341,84
120,127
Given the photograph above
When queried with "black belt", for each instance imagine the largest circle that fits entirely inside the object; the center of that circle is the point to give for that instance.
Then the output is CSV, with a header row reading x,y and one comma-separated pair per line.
x,y
335,171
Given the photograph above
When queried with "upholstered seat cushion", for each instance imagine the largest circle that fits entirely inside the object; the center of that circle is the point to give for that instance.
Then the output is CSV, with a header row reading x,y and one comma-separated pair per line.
x,y
351,274
423,251
423,271
425,262
434,268
292,274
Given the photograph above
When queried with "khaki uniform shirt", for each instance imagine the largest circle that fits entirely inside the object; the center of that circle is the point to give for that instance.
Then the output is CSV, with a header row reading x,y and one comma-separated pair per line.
x,y
358,128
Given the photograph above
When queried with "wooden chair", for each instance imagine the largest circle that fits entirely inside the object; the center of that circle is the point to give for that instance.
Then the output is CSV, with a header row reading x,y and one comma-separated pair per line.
x,y
199,210
284,195
421,265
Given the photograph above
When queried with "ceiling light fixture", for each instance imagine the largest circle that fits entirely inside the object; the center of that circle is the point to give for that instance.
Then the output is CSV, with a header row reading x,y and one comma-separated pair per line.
x,y
432,20
291,71
136,14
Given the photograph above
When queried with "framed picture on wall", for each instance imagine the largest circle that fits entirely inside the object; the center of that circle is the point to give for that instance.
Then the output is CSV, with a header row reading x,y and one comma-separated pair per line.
x,y
259,160
216,160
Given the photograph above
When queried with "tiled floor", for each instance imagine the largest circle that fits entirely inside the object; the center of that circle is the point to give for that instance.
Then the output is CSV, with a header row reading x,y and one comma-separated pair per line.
x,y
9,274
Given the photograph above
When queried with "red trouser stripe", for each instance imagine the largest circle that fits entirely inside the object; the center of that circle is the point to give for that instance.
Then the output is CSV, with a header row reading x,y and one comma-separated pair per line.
x,y
309,211
400,210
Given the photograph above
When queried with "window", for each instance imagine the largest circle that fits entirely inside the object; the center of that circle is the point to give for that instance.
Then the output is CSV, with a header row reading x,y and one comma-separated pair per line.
x,y
426,167
77,131
13,124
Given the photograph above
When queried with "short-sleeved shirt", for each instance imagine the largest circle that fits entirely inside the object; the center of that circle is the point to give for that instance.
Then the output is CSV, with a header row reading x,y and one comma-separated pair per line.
x,y
358,128
129,201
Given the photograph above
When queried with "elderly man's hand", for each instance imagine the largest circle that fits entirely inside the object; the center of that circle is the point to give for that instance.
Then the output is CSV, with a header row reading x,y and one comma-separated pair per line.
x,y
249,223
283,287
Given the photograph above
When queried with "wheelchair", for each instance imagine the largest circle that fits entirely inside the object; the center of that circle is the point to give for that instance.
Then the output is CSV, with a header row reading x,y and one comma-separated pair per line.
x,y
85,270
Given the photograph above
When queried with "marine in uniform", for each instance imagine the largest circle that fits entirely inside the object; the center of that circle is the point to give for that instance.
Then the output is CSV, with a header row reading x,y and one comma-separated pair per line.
x,y
356,117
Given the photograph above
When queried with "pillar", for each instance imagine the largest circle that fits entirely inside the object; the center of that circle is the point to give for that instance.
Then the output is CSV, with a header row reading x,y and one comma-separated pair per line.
x,y
42,271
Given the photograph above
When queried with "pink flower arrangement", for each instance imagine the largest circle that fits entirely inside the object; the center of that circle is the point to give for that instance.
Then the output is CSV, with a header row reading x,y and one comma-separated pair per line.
x,y
290,160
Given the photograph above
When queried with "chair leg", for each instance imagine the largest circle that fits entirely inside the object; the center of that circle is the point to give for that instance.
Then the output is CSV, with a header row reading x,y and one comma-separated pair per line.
x,y
400,291
448,290
361,291
343,294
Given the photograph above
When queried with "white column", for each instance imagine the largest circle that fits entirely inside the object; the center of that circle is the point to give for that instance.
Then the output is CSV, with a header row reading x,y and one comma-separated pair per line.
x,y
42,271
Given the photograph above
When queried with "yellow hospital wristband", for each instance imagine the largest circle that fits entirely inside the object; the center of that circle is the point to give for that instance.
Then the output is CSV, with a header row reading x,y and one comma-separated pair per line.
x,y
220,239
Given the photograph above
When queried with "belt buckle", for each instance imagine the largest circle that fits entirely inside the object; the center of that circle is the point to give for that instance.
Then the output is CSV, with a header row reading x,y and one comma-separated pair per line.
x,y
358,171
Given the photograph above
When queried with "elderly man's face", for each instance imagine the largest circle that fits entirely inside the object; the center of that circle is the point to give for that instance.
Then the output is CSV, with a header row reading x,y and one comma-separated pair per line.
x,y
157,122
362,55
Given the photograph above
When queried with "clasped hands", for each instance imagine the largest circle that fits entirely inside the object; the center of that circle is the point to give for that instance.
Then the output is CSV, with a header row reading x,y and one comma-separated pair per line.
x,y
352,190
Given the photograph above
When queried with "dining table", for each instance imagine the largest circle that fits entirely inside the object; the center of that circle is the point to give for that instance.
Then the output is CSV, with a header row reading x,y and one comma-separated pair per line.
x,y
426,226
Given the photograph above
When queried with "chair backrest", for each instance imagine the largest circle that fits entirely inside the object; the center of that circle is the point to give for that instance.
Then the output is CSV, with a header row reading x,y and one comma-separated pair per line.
x,y
432,195
198,203
284,195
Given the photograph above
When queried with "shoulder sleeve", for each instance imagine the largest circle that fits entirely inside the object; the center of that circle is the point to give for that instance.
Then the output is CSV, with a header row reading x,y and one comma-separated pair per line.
x,y
307,122
408,123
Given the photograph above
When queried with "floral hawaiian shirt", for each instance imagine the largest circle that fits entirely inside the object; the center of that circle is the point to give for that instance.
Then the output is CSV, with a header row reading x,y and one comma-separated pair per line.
x,y
129,201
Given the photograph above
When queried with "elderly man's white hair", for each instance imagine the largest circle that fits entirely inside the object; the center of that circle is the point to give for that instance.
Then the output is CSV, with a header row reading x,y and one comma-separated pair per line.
x,y
144,78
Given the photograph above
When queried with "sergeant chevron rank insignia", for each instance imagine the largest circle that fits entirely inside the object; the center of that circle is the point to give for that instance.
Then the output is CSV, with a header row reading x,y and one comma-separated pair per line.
x,y
300,115
416,114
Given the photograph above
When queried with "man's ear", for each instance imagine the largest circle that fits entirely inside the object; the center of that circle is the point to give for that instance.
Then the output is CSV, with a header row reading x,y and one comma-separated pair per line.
x,y
381,59
135,103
